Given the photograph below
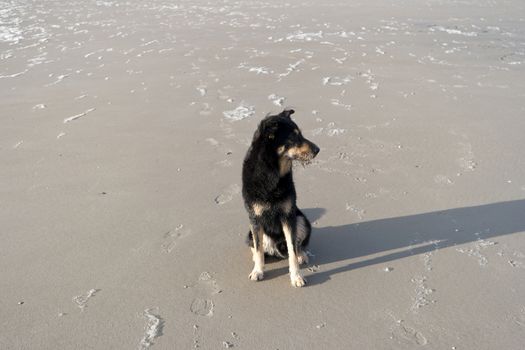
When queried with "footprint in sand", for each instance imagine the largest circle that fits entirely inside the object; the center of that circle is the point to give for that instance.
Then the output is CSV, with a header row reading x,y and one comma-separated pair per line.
x,y
202,90
423,293
427,260
519,319
81,300
276,100
466,160
401,331
227,194
516,263
152,330
443,179
204,289
242,111
475,250
202,307
219,147
406,335
195,336
172,237
227,344
515,259
358,211
206,109
226,163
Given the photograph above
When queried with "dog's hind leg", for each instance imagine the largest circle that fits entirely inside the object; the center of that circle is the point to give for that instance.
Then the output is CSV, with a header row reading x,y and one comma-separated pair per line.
x,y
290,231
257,253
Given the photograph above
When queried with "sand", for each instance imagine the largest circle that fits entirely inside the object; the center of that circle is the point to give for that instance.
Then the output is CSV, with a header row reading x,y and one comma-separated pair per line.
x,y
124,126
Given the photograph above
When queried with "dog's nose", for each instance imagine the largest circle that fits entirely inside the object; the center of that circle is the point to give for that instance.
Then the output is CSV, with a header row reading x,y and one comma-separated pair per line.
x,y
315,149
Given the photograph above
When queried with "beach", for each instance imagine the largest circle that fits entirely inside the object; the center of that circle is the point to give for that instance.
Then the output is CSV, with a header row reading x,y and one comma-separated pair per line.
x,y
124,128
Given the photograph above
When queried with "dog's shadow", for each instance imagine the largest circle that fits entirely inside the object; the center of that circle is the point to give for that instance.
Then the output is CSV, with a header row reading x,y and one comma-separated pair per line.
x,y
381,241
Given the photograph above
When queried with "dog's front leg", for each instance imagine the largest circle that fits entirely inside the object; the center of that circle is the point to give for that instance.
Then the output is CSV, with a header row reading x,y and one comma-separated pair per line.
x,y
257,253
295,275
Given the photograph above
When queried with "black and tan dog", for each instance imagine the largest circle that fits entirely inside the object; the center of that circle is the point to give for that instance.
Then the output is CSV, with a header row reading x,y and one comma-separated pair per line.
x,y
277,226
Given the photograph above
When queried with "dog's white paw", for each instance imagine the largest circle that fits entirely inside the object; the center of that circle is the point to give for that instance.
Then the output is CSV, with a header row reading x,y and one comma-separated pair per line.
x,y
297,280
302,258
256,275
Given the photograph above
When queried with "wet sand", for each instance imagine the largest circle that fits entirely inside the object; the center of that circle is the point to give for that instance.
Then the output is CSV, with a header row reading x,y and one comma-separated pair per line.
x,y
124,126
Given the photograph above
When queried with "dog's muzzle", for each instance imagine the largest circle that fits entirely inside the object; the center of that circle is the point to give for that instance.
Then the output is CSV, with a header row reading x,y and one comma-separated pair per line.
x,y
314,148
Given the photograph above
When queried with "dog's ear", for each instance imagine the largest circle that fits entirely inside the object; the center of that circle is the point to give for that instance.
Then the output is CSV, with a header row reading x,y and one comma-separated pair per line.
x,y
269,130
287,113
265,130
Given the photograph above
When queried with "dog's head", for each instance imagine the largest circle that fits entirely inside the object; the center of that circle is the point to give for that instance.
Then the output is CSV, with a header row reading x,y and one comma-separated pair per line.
x,y
285,138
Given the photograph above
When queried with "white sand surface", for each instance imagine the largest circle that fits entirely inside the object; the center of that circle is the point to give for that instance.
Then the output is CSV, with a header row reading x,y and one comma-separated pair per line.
x,y
124,126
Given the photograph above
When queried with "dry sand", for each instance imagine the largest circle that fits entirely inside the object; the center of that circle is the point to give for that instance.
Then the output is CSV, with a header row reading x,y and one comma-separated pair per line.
x,y
124,126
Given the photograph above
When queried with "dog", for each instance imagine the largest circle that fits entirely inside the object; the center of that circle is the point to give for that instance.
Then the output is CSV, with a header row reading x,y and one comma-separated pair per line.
x,y
277,227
